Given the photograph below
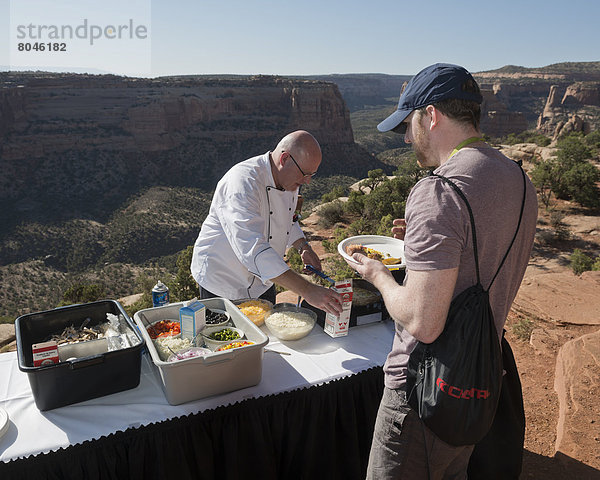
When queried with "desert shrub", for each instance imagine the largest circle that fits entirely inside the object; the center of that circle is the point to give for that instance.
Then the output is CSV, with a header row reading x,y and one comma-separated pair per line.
x,y
410,168
339,234
580,262
184,286
580,184
331,213
356,203
374,179
83,293
523,328
561,230
389,198
320,186
337,268
336,192
362,226
592,139
527,136
541,177
294,260
570,175
385,225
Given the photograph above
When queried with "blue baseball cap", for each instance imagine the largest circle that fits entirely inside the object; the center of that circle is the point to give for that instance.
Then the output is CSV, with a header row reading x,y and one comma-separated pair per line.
x,y
432,84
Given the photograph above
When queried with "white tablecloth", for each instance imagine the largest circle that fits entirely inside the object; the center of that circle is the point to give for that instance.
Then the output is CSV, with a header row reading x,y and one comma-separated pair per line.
x,y
314,359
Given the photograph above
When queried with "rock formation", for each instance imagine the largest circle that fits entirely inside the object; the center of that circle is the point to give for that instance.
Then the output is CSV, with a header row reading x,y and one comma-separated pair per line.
x,y
496,119
155,115
574,108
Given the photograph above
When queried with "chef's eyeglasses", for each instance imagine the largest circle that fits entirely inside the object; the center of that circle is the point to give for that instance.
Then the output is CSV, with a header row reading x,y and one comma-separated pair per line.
x,y
305,175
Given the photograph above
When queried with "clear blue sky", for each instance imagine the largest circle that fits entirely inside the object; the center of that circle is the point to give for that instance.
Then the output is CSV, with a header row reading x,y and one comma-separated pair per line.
x,y
329,36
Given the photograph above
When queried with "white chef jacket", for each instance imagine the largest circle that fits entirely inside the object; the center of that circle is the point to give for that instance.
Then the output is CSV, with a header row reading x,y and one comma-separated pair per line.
x,y
246,233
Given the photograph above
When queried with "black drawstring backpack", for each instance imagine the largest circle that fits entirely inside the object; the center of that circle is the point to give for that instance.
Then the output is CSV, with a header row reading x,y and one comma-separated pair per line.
x,y
454,382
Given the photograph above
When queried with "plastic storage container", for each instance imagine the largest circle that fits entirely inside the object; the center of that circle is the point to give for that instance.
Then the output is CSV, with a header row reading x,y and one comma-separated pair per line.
x,y
80,379
214,373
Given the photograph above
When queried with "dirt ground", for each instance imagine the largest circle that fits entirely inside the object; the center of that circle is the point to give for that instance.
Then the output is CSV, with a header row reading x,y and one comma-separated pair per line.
x,y
537,372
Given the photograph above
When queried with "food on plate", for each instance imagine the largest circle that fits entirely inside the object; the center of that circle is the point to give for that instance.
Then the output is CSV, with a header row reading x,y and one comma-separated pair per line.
x,y
355,248
164,328
175,344
213,318
369,252
229,346
290,325
385,258
255,310
391,261
224,335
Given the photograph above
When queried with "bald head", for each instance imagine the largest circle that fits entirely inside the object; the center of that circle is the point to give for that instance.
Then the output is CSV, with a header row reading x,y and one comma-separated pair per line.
x,y
304,146
295,160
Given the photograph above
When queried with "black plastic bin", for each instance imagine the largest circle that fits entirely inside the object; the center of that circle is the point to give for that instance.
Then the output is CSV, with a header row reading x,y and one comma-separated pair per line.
x,y
377,309
80,379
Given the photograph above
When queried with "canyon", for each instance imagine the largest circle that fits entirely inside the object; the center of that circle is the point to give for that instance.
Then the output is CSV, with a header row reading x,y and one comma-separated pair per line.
x,y
78,147
85,143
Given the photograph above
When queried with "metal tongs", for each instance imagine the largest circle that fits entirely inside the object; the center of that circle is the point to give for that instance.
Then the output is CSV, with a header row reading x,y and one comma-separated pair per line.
x,y
312,269
319,273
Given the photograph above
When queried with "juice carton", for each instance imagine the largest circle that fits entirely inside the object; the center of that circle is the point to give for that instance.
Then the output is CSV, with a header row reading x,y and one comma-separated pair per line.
x,y
338,326
192,319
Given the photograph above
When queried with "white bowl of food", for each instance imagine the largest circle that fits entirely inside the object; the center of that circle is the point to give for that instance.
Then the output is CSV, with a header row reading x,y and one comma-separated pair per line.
x,y
216,317
215,337
256,309
168,344
163,328
289,322
234,344
191,352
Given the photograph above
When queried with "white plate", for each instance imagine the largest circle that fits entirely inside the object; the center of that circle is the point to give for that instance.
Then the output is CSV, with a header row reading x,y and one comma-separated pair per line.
x,y
386,245
4,424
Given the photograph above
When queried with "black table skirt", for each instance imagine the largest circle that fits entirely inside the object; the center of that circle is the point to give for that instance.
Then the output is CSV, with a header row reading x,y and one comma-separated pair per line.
x,y
318,432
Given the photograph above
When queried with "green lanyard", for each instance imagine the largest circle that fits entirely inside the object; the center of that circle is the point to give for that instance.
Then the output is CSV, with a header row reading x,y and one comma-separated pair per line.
x,y
464,143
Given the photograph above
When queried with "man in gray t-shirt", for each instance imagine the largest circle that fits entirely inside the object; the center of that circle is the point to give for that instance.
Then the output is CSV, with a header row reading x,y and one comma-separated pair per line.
x,y
439,113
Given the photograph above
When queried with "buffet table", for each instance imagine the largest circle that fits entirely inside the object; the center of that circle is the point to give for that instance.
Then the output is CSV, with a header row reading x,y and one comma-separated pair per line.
x,y
311,416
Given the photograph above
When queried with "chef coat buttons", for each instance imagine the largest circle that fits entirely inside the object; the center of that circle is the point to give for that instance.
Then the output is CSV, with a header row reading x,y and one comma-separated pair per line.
x,y
270,213
270,237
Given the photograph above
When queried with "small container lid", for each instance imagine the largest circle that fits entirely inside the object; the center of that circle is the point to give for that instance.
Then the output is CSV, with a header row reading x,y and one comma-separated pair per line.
x,y
4,423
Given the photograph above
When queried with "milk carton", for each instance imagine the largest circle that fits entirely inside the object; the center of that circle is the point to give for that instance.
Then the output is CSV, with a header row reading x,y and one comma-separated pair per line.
x,y
338,326
192,319
45,353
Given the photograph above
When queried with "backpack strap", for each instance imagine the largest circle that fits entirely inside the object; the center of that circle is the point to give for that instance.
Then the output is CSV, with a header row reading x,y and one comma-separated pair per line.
x,y
462,195
520,163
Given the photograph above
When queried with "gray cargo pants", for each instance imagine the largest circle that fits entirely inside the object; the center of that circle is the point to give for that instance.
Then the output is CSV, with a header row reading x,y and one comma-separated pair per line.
x,y
398,448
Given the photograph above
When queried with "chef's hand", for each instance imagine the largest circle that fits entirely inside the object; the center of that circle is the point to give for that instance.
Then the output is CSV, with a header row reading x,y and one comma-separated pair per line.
x,y
309,257
368,268
399,228
324,299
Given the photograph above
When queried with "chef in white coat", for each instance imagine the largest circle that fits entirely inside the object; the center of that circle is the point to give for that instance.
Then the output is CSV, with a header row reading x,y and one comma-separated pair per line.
x,y
239,251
